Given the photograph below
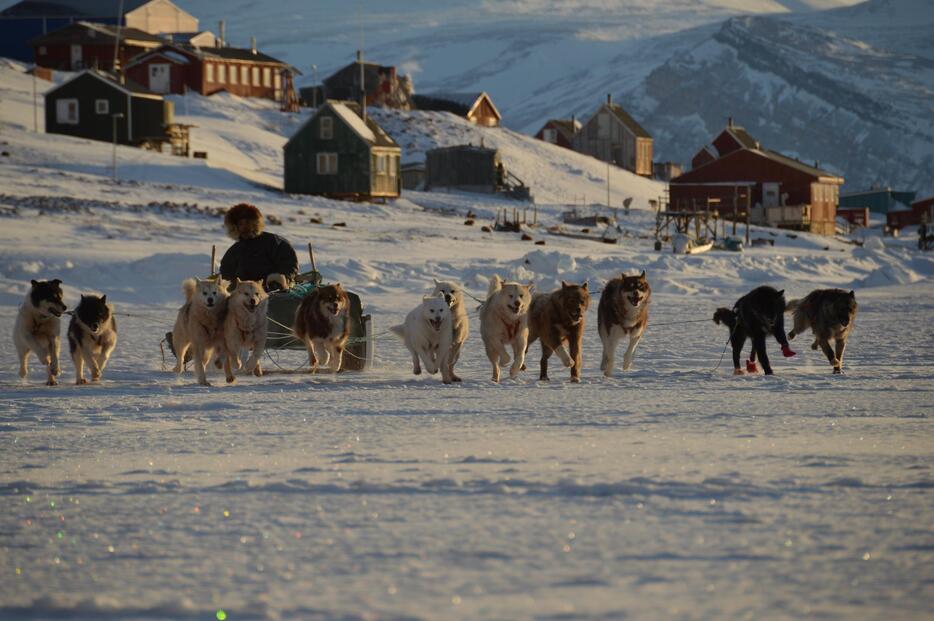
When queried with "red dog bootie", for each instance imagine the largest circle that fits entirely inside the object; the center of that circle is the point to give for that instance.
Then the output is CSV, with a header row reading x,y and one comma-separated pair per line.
x,y
751,366
786,351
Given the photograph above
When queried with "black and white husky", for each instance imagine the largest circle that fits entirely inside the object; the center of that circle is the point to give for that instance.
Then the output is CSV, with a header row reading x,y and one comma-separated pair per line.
x,y
623,309
38,327
92,336
754,316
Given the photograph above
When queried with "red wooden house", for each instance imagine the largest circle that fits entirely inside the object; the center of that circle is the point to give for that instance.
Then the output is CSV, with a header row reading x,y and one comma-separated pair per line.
x,y
776,190
87,45
209,70
732,138
920,211
560,132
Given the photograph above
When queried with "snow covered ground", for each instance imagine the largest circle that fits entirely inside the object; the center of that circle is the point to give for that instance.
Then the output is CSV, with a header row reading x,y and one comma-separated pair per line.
x,y
673,491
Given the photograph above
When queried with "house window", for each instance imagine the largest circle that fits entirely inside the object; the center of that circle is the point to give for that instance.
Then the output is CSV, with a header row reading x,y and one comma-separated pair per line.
x,y
233,75
550,135
277,80
66,111
327,163
393,165
209,72
245,75
102,106
222,74
380,164
42,50
327,128
267,77
255,76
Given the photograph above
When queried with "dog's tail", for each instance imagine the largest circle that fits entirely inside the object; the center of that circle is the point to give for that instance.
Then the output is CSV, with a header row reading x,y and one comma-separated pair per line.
x,y
792,305
726,317
496,283
188,288
398,330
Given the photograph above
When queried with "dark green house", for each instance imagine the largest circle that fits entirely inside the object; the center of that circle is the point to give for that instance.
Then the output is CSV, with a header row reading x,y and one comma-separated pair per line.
x,y
338,153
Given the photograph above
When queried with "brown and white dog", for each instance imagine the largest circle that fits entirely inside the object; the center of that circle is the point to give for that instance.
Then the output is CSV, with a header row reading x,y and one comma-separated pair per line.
x,y
830,314
454,296
245,327
38,327
322,323
92,336
504,320
200,324
557,319
623,309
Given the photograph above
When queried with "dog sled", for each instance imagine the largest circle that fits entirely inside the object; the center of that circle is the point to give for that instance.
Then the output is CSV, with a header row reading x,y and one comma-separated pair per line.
x,y
682,244
280,315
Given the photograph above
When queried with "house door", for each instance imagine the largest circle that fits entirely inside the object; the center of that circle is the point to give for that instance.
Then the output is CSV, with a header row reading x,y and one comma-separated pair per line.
x,y
159,78
770,194
76,57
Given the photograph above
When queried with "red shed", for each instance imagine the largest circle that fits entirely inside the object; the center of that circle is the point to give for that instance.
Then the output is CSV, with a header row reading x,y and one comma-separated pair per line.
x,y
560,132
208,70
779,190
920,211
87,45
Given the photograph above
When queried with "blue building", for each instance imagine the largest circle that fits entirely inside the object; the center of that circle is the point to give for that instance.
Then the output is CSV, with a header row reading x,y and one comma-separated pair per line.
x,y
26,20
878,200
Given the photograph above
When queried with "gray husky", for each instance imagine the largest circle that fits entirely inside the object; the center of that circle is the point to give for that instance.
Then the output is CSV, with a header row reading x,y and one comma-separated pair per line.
x,y
830,314
92,336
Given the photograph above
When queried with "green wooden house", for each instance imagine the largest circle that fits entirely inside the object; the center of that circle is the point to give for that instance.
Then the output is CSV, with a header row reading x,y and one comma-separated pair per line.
x,y
339,153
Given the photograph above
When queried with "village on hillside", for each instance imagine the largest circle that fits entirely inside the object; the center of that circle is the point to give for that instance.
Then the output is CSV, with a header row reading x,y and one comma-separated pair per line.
x,y
117,72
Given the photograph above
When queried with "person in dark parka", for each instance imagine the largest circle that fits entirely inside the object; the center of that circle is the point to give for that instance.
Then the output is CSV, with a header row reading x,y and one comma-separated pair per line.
x,y
256,255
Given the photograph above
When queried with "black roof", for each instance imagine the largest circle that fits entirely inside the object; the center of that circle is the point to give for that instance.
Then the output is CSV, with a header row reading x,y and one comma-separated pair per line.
x,y
236,53
129,86
70,8
85,31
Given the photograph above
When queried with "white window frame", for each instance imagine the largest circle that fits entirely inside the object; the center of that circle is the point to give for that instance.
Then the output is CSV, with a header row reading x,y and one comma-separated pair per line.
x,y
209,72
255,76
63,112
326,163
102,106
221,73
267,77
326,128
381,164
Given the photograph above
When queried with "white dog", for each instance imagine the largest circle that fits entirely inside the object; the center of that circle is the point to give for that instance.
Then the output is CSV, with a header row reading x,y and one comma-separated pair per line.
x,y
428,333
504,320
245,327
454,296
38,327
200,324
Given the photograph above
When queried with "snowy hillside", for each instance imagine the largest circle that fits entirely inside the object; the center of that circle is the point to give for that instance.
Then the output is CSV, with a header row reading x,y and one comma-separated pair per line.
x,y
675,490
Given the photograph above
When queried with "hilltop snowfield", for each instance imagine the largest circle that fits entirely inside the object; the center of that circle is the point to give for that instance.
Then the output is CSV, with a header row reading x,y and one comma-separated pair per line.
x,y
849,84
675,490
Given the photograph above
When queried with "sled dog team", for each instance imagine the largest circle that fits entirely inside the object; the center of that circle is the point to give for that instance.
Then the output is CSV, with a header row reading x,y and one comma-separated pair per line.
x,y
220,320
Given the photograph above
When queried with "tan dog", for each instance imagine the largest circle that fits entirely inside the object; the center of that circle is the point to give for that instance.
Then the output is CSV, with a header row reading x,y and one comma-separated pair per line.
x,y
322,323
200,324
623,309
557,319
245,327
504,320
454,296
38,327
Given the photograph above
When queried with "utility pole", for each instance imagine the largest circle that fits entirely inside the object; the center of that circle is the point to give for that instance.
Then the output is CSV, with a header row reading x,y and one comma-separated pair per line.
x,y
314,86
116,67
35,102
608,185
115,116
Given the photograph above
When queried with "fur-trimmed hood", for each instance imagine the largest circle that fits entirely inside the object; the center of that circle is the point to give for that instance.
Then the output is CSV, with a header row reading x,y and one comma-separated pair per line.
x,y
240,212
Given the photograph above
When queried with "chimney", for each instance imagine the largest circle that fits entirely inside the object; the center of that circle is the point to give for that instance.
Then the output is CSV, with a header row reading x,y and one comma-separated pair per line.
x,y
253,44
222,39
729,122
573,123
609,99
816,163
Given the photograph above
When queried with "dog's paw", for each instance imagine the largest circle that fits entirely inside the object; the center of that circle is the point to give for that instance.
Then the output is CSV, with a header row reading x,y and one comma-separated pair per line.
x,y
837,371
51,382
257,371
751,367
456,378
231,379
738,372
417,371
80,381
575,380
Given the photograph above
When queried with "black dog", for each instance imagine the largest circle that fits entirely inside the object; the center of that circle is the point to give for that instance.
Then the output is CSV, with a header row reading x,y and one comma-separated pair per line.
x,y
754,316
